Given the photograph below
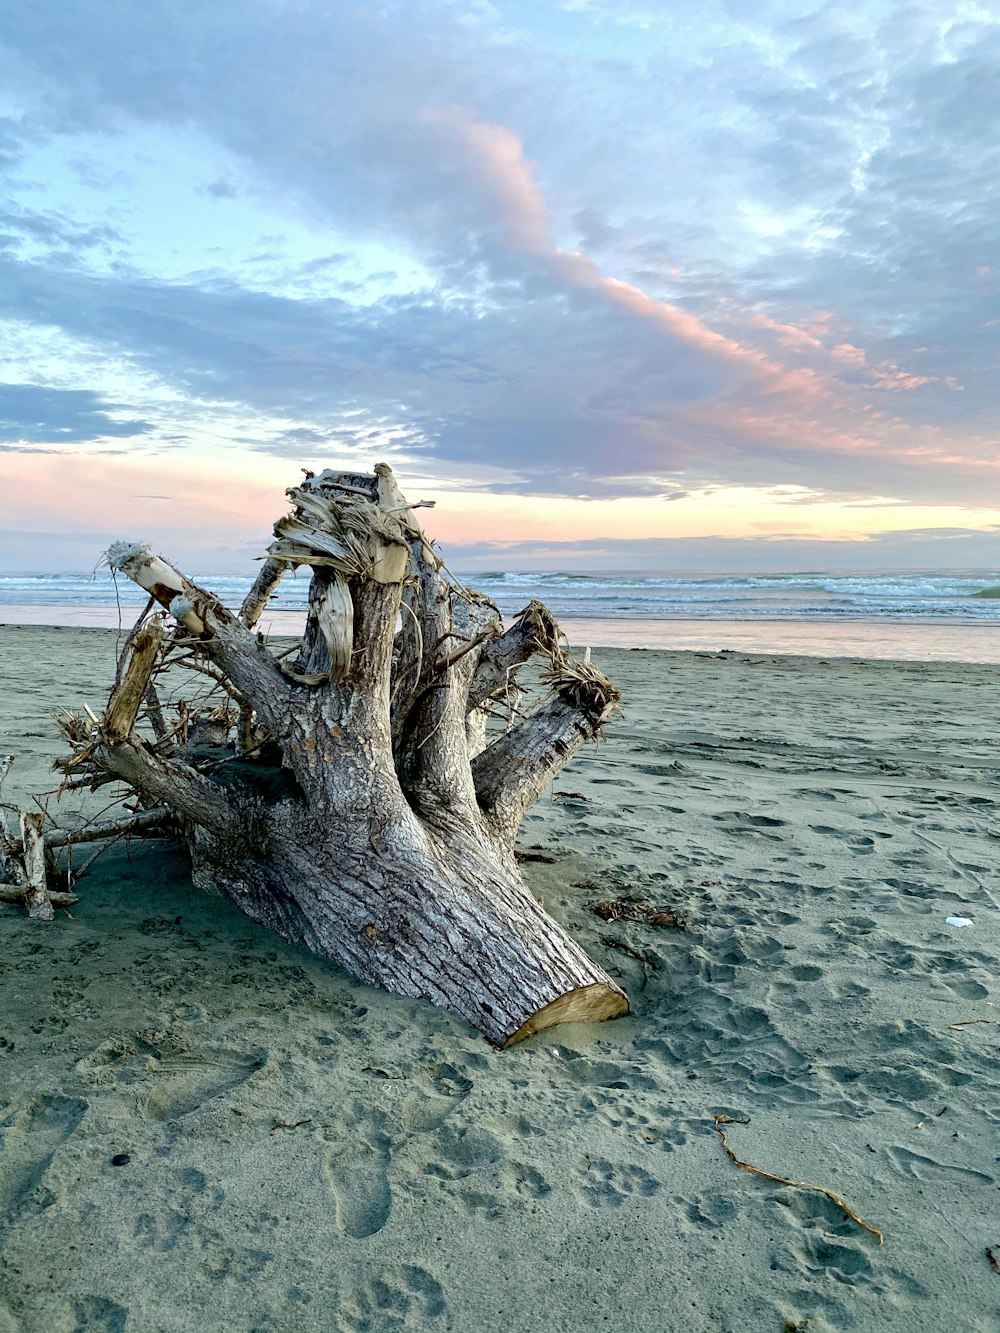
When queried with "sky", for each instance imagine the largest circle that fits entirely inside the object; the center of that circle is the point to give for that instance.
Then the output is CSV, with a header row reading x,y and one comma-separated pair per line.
x,y
621,284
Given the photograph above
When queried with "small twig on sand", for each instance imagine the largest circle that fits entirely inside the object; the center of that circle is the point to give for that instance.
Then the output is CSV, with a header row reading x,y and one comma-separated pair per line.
x,y
967,1023
721,1120
288,1124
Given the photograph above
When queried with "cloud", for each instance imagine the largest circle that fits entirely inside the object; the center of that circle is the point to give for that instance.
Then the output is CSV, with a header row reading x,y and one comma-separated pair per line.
x,y
32,414
604,411
757,249
961,549
223,189
19,224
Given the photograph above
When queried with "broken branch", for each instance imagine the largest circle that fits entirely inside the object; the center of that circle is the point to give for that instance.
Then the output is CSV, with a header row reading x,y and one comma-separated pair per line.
x,y
36,895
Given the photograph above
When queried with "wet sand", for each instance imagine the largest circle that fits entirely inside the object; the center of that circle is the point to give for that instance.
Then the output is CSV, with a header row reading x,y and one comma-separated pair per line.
x,y
888,639
813,821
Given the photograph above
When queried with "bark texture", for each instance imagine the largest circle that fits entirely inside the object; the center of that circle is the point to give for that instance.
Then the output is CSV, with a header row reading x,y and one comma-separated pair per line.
x,y
350,795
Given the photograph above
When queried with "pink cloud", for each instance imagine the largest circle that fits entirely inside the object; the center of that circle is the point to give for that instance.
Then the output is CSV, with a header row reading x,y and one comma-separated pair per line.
x,y
849,354
805,407
890,377
491,158
790,335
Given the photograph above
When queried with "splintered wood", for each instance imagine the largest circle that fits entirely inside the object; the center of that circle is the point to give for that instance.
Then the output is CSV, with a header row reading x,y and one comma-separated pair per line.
x,y
127,697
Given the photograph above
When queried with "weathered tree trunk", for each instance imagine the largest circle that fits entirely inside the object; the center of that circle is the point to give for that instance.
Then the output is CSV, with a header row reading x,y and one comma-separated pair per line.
x,y
350,798
36,894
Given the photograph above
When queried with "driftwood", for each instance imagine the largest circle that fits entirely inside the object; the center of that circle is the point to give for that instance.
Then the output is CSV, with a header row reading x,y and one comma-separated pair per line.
x,y
36,889
11,869
351,796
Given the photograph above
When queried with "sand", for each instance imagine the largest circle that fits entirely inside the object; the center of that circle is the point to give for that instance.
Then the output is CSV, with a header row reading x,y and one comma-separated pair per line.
x,y
815,822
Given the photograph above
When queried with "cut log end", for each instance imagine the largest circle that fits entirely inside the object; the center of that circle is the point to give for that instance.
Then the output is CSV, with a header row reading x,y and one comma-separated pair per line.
x,y
587,1004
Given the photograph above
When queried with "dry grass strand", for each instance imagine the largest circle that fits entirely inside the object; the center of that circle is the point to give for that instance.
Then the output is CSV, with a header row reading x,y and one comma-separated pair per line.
x,y
721,1120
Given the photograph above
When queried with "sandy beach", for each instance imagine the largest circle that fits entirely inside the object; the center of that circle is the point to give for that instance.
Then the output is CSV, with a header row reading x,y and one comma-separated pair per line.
x,y
203,1128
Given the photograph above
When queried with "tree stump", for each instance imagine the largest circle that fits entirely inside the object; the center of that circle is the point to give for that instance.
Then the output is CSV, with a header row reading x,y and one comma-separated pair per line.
x,y
351,797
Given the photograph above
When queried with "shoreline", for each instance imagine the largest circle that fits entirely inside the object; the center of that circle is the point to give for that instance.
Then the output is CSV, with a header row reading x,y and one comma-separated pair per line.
x,y
862,638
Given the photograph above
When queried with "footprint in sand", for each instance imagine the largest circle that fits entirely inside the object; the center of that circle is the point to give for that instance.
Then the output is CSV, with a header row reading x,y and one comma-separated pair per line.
x,y
738,822
28,1141
399,1296
356,1159
524,1181
447,1081
185,1201
712,1211
806,972
815,1255
429,1107
96,1314
183,1078
421,1113
604,1184
192,1078
358,1171
106,1061
360,1189
918,1167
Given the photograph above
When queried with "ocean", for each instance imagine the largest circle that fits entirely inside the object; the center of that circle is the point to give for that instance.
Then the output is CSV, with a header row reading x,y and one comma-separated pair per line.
x,y
932,616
